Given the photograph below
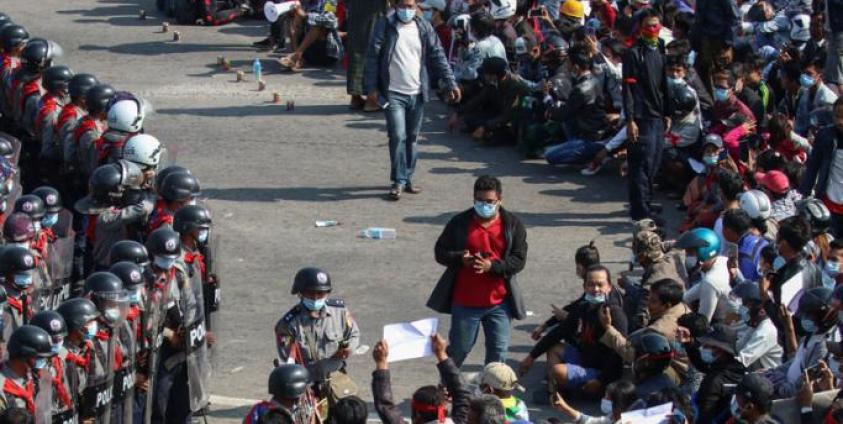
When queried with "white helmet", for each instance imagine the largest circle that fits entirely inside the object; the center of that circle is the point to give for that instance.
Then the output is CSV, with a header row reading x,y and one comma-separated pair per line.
x,y
756,204
126,113
142,149
502,9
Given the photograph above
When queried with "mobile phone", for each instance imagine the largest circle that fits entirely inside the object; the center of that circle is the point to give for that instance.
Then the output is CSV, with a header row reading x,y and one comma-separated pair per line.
x,y
535,13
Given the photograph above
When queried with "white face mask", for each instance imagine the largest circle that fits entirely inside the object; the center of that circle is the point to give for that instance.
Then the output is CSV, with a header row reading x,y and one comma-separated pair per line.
x,y
606,406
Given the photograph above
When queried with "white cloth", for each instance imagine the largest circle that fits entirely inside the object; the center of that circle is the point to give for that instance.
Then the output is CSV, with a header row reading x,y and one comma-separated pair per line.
x,y
712,291
405,66
835,182
760,344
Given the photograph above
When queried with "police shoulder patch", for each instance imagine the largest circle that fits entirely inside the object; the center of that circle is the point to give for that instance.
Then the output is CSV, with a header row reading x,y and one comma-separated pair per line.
x,y
337,303
291,314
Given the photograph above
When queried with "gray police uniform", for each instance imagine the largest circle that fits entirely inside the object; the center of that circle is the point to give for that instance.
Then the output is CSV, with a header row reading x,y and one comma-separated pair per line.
x,y
112,227
15,400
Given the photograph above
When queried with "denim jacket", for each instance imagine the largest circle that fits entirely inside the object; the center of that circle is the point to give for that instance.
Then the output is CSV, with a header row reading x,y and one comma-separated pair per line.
x,y
382,46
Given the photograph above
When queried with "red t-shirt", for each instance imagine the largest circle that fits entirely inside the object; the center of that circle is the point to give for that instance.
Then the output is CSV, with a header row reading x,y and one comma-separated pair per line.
x,y
488,289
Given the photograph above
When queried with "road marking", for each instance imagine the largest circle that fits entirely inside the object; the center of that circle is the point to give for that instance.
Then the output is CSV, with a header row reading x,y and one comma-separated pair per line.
x,y
232,402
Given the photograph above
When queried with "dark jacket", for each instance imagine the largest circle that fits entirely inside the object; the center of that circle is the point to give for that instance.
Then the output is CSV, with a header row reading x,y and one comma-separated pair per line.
x,y
582,329
713,397
644,89
835,15
818,166
585,110
449,249
496,102
382,46
449,374
716,19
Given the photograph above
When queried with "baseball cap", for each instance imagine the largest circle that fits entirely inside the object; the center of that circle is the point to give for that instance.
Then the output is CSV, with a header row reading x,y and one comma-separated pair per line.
x,y
757,389
775,181
713,139
722,337
433,4
500,376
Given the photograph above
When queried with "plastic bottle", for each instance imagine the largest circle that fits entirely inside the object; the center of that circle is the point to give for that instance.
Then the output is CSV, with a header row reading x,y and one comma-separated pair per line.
x,y
377,233
256,69
328,223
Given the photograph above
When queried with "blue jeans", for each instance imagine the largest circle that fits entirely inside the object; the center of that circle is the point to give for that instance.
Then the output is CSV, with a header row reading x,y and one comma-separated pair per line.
x,y
572,152
403,123
465,325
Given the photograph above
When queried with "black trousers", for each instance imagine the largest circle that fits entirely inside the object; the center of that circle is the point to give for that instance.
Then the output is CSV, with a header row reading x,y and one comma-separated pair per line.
x,y
644,159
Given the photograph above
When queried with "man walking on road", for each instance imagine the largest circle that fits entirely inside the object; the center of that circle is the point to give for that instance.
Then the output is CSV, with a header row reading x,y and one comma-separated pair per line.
x,y
483,248
404,56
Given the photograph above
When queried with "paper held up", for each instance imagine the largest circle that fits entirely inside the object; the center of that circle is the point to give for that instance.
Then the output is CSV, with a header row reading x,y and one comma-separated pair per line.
x,y
410,340
660,414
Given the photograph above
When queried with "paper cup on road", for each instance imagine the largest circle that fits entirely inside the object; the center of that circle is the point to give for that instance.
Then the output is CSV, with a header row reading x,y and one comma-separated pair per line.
x,y
276,97
165,27
239,76
176,36
261,85
142,14
226,65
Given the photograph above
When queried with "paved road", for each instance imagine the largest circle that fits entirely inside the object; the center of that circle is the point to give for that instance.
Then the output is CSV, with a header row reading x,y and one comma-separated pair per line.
x,y
269,174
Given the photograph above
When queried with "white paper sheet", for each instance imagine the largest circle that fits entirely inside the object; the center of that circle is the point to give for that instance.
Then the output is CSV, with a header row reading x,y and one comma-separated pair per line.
x,y
791,292
656,415
410,340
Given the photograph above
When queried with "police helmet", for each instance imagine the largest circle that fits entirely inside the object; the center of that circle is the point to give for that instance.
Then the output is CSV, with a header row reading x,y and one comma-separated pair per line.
x,y
97,98
31,205
37,55
56,78
77,312
106,189
13,36
50,321
288,381
103,283
29,341
179,186
80,84
172,169
128,250
703,241
311,279
128,272
51,198
18,228
191,217
164,242
15,259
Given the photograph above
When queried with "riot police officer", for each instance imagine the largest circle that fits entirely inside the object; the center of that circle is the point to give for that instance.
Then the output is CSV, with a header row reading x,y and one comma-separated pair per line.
x,y
56,82
13,39
56,239
81,317
17,265
132,276
89,130
176,190
32,206
29,351
125,119
193,223
319,332
131,251
288,386
63,400
69,118
26,88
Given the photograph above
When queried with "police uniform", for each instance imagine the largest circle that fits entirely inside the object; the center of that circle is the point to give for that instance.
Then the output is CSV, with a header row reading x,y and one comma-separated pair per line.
x,y
109,147
124,375
66,124
44,128
156,304
99,391
16,312
111,227
27,103
16,391
64,395
309,340
85,136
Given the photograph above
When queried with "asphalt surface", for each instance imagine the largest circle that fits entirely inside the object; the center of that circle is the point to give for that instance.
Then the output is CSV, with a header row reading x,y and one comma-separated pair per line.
x,y
270,173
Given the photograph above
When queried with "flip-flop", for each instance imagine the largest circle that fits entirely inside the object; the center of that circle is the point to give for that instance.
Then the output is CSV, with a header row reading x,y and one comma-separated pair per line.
x,y
288,63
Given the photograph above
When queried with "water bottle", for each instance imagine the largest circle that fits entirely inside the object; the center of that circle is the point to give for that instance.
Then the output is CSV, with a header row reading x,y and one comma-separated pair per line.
x,y
377,233
256,69
328,223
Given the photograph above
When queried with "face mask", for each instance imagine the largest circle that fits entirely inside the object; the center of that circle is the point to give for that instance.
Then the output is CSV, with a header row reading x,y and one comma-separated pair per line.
x,y
690,262
595,299
135,296
711,160
313,304
3,206
164,263
23,280
707,355
806,81
743,312
808,325
651,33
111,314
56,346
675,81
405,15
485,210
40,363
50,219
10,185
733,407
606,406
427,15
832,268
91,330
36,225
202,236
778,263
721,94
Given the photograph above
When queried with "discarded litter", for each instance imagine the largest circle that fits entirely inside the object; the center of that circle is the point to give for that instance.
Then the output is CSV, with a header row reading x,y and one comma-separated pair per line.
x,y
530,313
378,233
257,69
165,27
239,76
176,36
276,97
327,223
142,14
261,85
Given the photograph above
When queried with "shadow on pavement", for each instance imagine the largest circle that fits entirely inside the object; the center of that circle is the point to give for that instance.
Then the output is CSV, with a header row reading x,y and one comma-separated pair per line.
x,y
267,109
606,223
163,47
301,194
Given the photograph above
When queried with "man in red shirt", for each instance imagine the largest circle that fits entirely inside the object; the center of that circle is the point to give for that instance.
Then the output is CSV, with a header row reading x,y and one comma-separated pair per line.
x,y
483,248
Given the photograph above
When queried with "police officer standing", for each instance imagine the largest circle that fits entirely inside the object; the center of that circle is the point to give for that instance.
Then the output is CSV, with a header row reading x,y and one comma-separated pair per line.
x,y
29,351
318,333
17,265
81,317
288,385
63,399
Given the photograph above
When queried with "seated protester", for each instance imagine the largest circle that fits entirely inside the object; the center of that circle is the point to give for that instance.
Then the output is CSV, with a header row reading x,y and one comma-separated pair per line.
x,y
433,11
757,205
824,169
815,100
737,227
709,295
730,187
489,114
583,114
467,70
610,61
752,401
682,49
686,125
584,258
620,397
785,141
731,118
789,75
832,270
792,269
429,403
714,355
220,12
648,248
348,410
746,95
665,307
653,357
819,217
584,364
754,81
817,318
782,198
312,27
485,409
528,55
758,343
817,47
499,379
702,197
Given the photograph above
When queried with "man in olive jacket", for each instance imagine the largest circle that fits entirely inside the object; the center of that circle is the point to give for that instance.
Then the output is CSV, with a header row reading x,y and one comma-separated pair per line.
x,y
483,249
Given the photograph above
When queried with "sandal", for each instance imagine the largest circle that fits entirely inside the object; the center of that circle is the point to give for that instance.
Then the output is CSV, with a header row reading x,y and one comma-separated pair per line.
x,y
288,63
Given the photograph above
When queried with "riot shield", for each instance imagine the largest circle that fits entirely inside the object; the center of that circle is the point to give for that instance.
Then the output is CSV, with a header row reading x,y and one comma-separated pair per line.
x,y
99,390
212,291
42,288
196,347
44,397
151,322
124,378
16,145
60,256
169,156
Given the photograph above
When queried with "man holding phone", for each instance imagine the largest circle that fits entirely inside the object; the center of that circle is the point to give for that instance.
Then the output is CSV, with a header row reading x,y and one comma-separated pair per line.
x,y
483,249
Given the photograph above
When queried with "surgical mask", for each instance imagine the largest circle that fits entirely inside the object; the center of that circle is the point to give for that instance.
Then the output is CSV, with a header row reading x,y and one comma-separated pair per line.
x,y
111,314
49,220
808,325
23,280
721,94
3,206
40,363
202,236
10,185
832,268
707,355
743,312
313,304
485,210
606,406
733,407
36,225
711,160
427,15
405,15
778,263
135,296
675,81
690,262
595,299
164,263
692,57
91,330
807,81
56,346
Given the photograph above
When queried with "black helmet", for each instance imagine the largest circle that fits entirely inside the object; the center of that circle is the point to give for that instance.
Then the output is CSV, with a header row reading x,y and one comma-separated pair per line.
x,y
179,186
7,150
684,99
311,279
4,19
51,198
16,259
191,217
816,213
653,353
172,169
51,321
18,228
56,78
31,205
80,84
103,283
128,272
12,36
815,304
130,251
97,98
77,312
106,189
29,341
37,55
164,242
288,381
